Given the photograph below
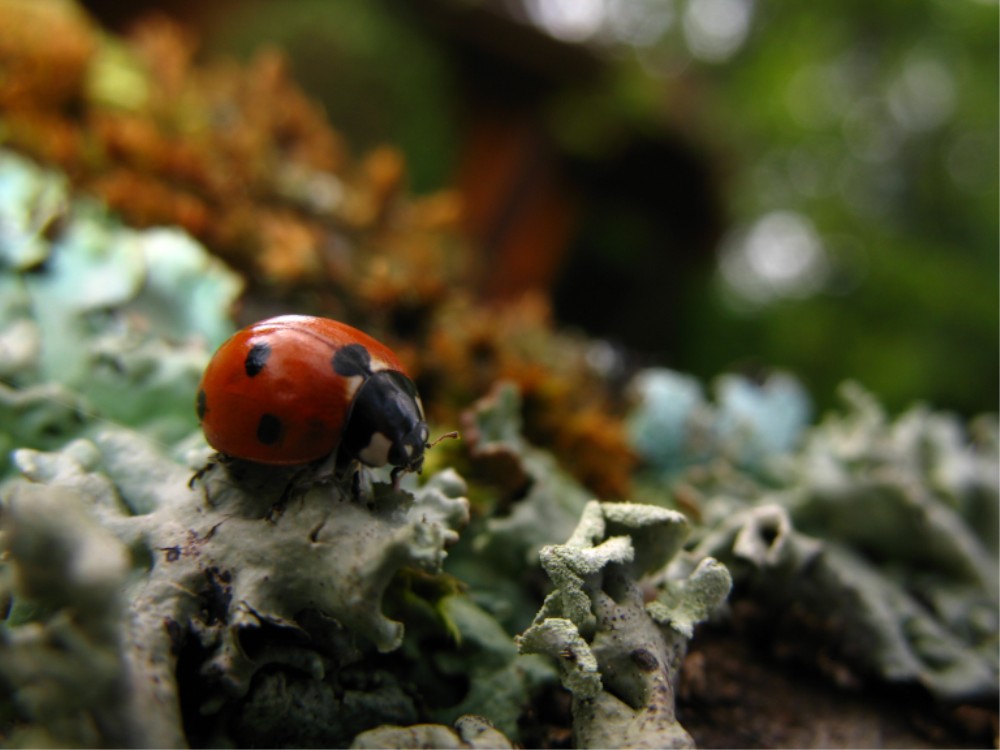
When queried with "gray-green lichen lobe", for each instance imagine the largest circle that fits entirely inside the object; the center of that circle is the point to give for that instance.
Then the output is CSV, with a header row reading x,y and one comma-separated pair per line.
x,y
109,537
619,653
64,651
876,534
469,731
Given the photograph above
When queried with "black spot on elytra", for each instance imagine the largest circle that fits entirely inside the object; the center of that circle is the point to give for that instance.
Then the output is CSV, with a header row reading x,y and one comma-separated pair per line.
x,y
269,429
202,404
256,358
352,360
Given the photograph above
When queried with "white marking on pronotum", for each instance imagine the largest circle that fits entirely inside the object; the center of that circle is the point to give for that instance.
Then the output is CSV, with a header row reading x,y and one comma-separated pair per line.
x,y
376,453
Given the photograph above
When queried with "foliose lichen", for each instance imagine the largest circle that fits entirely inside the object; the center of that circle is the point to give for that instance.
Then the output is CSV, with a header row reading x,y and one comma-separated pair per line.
x,y
126,577
624,604
877,536
90,309
469,732
674,426
542,505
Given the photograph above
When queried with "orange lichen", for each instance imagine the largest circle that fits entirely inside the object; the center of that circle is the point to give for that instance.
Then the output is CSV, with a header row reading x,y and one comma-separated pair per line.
x,y
203,147
566,403
45,49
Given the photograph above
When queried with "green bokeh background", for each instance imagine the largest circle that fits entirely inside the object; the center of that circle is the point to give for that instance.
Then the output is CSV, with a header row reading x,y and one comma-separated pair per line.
x,y
872,124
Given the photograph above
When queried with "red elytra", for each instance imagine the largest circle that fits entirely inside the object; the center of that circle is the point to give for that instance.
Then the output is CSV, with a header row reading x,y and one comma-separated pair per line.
x,y
283,391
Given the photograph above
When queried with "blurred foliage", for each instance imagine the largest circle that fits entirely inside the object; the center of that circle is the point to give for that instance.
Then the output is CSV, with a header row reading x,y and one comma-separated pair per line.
x,y
878,122
854,146
379,79
856,149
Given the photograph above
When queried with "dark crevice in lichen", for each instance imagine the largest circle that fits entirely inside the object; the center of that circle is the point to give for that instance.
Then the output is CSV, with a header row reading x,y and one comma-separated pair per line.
x,y
217,597
191,658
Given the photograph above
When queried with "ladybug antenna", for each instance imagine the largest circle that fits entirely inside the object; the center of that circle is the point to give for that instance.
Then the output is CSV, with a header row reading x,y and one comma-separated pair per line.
x,y
453,435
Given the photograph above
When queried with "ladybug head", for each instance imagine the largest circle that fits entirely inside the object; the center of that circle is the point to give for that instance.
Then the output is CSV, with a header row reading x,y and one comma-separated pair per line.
x,y
407,451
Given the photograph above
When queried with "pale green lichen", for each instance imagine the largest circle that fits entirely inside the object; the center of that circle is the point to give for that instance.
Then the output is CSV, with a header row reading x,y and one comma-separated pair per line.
x,y
90,309
497,552
688,597
469,732
31,200
617,653
674,426
62,644
618,620
501,681
201,569
885,527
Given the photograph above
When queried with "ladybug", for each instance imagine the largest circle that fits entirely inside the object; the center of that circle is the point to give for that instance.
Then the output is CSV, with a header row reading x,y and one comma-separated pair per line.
x,y
295,388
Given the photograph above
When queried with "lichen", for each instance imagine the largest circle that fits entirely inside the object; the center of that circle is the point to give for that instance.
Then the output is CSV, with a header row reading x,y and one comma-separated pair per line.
x,y
618,620
501,681
61,648
540,505
550,501
469,732
203,578
674,426
878,536
90,309
221,657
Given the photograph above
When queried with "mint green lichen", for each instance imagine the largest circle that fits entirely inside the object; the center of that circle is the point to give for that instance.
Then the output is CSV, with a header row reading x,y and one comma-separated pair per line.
x,y
619,654
469,732
496,553
501,680
198,570
31,200
674,425
105,310
887,527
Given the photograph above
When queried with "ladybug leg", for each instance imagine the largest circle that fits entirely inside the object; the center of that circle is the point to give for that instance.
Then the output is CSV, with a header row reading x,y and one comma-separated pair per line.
x,y
217,459
361,485
278,507
200,474
295,485
325,469
397,477
350,477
